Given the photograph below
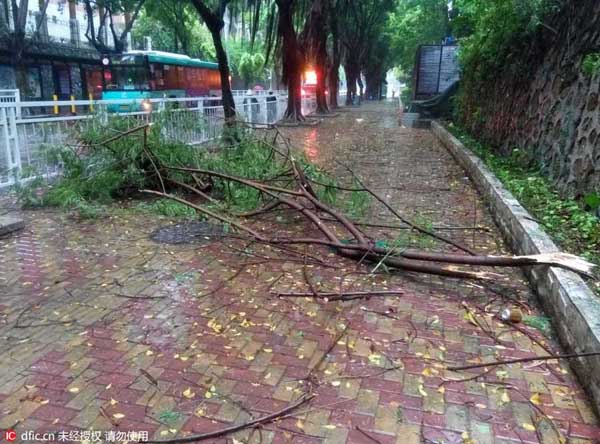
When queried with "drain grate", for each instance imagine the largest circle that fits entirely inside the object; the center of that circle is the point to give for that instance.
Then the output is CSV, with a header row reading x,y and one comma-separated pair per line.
x,y
187,233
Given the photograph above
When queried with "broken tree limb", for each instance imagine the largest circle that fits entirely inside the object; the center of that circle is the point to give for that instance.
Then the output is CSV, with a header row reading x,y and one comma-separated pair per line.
x,y
339,296
402,218
515,361
236,428
298,196
558,259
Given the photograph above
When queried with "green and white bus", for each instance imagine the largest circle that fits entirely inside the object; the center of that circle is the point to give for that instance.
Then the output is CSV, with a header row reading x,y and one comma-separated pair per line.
x,y
155,74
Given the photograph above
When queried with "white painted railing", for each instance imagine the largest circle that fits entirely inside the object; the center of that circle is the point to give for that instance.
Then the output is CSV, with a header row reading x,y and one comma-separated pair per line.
x,y
29,130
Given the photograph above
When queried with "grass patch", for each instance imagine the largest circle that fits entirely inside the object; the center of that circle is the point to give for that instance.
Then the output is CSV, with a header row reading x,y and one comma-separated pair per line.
x,y
166,207
567,221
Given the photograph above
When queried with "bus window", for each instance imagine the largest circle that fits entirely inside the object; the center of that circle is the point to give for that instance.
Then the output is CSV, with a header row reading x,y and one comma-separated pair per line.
x,y
157,79
126,78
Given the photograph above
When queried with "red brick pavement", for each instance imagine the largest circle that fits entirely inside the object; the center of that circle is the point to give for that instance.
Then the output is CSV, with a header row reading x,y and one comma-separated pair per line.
x,y
197,352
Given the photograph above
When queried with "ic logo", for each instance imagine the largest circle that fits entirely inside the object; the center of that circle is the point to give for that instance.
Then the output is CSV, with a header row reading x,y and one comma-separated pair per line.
x,y
10,435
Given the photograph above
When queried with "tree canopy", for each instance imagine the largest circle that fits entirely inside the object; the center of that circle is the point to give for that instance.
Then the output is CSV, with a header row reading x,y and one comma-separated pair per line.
x,y
364,37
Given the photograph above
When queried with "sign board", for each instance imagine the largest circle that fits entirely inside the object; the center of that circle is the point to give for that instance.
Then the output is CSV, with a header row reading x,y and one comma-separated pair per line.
x,y
437,69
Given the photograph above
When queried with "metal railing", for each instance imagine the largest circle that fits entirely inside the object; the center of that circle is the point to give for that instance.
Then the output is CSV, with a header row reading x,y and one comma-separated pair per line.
x,y
29,131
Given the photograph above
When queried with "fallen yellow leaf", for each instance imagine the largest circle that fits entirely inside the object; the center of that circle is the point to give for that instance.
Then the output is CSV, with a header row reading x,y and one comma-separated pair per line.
x,y
375,358
535,399
469,317
188,393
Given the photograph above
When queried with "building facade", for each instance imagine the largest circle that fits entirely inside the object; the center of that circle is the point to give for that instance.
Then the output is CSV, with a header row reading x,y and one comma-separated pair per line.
x,y
59,59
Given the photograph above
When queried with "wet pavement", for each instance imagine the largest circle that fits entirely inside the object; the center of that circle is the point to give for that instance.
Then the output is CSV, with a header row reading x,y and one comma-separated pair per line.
x,y
102,328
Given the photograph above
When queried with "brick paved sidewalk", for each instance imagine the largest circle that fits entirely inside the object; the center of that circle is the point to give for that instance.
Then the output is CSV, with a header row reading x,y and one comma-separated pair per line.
x,y
102,328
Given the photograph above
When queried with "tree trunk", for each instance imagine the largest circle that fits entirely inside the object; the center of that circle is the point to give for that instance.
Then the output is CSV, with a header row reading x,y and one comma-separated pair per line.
x,y
334,85
333,75
350,84
21,77
314,39
292,60
214,22
360,85
322,107
228,103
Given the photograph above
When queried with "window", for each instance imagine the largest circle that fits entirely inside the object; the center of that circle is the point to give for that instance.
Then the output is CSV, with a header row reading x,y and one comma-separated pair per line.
x,y
126,78
34,82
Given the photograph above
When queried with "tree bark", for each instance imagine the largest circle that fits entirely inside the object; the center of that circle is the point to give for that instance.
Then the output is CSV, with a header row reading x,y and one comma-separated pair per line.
x,y
333,75
227,95
17,40
292,59
351,79
314,39
214,22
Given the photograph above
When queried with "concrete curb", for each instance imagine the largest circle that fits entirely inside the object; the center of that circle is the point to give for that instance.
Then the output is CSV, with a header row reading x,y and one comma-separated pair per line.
x,y
9,223
575,309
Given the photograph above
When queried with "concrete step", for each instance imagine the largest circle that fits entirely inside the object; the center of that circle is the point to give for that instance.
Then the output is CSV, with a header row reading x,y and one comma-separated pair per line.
x,y
9,223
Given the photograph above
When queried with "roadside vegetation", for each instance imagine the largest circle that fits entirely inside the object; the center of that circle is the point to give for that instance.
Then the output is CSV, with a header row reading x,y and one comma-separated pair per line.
x,y
572,224
103,171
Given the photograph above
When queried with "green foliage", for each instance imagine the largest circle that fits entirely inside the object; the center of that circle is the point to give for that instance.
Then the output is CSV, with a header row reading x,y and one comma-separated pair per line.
x,y
166,207
254,158
411,24
103,171
540,323
414,23
170,416
592,200
493,33
591,64
566,220
251,67
357,204
254,68
174,27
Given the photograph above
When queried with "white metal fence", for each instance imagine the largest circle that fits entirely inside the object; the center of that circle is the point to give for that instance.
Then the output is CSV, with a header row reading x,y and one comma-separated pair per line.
x,y
30,130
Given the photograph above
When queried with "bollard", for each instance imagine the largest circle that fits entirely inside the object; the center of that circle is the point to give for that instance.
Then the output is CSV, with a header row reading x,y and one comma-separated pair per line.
x,y
91,98
73,110
55,98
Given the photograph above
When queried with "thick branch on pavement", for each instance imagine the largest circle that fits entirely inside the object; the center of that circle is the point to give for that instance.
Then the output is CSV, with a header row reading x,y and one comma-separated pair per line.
x,y
236,428
299,197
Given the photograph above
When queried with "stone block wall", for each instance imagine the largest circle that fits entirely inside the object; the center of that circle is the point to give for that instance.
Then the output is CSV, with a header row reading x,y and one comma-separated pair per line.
x,y
551,108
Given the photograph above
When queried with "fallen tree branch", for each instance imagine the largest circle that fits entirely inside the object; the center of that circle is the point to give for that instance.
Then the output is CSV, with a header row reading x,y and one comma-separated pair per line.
x,y
228,430
368,435
530,359
299,196
340,296
403,219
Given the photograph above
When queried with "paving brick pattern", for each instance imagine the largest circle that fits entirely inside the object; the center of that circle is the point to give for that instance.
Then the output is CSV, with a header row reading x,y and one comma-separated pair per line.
x,y
103,329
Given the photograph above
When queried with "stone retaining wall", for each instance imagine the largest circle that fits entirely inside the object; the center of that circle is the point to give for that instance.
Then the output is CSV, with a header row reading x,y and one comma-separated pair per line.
x,y
544,101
